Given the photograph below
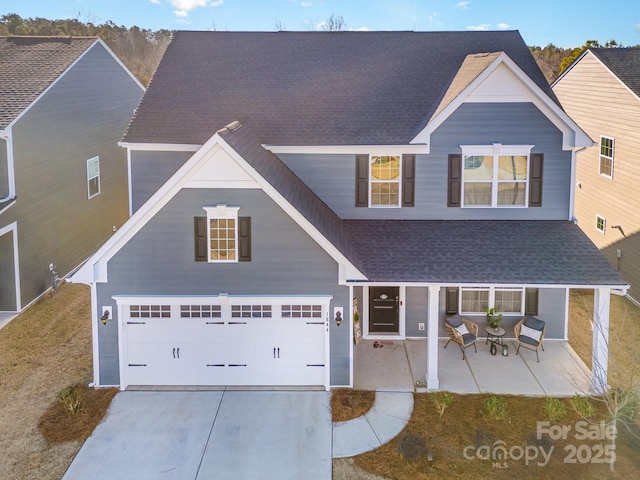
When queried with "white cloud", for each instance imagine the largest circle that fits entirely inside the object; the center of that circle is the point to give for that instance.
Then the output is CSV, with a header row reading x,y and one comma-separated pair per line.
x,y
180,13
360,29
637,27
306,4
487,26
481,27
462,5
157,2
183,7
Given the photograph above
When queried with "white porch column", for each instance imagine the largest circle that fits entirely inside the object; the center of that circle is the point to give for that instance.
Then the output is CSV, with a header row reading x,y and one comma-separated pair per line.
x,y
433,382
600,347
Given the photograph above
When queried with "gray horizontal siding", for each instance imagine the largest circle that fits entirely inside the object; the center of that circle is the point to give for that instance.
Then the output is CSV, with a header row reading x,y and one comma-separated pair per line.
x,y
4,170
82,116
332,177
159,260
7,274
416,310
150,170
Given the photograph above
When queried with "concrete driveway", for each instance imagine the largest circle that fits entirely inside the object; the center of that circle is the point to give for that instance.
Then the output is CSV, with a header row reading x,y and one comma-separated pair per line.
x,y
210,435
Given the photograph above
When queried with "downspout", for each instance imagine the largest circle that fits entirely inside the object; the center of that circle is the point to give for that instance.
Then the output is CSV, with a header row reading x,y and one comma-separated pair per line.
x,y
11,180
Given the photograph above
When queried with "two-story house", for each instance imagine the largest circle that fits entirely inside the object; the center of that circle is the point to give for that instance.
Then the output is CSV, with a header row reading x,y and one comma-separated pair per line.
x,y
64,104
283,182
601,92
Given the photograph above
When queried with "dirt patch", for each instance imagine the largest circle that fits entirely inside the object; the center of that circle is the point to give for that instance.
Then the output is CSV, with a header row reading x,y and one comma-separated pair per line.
x,y
59,425
45,349
347,404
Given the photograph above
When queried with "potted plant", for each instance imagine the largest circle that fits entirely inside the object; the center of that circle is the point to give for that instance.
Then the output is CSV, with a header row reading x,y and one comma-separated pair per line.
x,y
492,319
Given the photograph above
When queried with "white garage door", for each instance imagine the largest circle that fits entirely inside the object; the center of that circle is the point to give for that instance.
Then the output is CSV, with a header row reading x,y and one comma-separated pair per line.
x,y
220,341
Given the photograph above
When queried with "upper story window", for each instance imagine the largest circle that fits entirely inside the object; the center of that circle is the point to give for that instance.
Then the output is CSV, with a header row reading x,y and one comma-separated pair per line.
x,y
495,175
93,177
606,156
384,180
222,233
601,224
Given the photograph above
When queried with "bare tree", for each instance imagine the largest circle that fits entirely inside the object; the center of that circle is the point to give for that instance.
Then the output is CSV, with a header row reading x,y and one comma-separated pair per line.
x,y
334,24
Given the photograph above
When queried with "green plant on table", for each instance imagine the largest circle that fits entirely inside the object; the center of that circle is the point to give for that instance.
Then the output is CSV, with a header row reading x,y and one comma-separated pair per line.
x,y
494,320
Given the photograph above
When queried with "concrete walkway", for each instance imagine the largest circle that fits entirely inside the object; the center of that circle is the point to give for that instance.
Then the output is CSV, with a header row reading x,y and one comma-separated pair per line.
x,y
387,418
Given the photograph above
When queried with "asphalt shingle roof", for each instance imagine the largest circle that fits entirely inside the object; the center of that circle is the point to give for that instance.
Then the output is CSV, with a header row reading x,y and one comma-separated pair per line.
x,y
28,65
311,88
479,251
624,63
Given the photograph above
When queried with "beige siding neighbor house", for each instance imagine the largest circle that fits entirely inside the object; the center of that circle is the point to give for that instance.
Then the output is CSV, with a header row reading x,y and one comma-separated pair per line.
x,y
601,92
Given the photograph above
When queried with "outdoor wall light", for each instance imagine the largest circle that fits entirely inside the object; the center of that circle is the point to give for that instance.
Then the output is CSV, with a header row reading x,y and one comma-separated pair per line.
x,y
337,314
105,317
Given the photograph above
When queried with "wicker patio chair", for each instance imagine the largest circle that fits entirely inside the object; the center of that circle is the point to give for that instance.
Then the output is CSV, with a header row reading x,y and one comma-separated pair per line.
x,y
530,334
463,332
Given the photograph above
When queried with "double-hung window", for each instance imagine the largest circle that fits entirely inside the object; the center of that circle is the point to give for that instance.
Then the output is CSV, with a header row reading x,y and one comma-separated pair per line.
x,y
606,156
93,177
222,233
506,300
384,180
495,175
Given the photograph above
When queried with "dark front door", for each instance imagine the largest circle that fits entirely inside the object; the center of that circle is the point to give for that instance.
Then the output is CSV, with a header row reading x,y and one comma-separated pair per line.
x,y
383,309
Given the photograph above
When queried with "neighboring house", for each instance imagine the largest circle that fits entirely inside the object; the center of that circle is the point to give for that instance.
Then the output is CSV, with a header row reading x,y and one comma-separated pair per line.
x,y
64,105
282,182
601,92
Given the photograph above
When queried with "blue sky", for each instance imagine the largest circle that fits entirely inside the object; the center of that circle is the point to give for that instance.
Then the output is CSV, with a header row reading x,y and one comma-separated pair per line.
x,y
565,23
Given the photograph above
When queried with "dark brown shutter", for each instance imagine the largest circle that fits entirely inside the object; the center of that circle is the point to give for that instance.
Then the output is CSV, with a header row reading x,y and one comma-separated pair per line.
x,y
452,300
455,180
362,180
200,236
531,301
535,180
408,180
244,239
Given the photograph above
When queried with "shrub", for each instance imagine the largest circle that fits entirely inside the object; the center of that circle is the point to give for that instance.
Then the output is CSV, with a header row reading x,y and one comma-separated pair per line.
x,y
582,406
441,401
71,398
496,408
554,409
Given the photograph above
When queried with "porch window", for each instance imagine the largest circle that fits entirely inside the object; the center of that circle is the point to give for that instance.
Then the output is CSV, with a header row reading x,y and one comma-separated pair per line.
x,y
474,300
606,156
506,300
495,176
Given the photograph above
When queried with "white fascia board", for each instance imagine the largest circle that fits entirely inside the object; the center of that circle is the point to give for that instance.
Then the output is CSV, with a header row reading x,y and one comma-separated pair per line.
x,y
573,136
619,289
416,148
122,65
350,270
161,147
95,269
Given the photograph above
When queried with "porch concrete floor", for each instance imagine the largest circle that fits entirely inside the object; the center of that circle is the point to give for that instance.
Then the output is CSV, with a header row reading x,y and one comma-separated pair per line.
x,y
398,364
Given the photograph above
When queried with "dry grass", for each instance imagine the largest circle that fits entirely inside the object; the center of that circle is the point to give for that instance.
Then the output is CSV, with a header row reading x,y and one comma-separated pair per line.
x,y
466,422
347,404
44,349
58,425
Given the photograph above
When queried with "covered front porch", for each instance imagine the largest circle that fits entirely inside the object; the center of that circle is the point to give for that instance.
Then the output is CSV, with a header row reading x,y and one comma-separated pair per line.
x,y
401,365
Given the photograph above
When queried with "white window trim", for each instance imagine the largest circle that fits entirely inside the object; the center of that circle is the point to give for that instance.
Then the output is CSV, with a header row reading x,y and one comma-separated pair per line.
x,y
604,224
601,156
89,195
371,181
221,211
496,150
492,298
